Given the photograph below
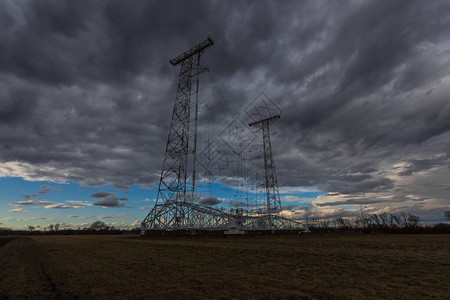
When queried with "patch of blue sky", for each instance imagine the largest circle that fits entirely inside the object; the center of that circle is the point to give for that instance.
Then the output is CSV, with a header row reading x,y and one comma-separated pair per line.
x,y
79,207
218,190
66,195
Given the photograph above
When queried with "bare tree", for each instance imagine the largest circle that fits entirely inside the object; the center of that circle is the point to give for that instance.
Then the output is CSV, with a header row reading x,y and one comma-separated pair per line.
x,y
395,220
99,225
403,220
413,220
376,220
447,215
384,219
5,230
344,223
324,225
392,221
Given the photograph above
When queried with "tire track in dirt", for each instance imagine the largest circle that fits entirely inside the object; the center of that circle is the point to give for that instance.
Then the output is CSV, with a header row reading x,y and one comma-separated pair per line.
x,y
45,275
54,290
27,273
6,240
39,273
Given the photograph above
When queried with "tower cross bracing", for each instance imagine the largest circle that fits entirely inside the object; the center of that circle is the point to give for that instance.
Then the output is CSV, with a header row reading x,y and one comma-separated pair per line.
x,y
168,211
272,194
173,210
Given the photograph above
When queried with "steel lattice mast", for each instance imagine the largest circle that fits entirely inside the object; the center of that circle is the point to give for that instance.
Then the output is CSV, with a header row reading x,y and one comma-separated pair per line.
x,y
272,193
169,211
172,211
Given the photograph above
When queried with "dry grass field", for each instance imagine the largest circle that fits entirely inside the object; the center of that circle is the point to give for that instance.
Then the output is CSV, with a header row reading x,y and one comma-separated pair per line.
x,y
309,267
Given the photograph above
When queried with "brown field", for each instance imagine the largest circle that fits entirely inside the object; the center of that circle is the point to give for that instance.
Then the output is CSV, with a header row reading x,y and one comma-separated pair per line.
x,y
119,267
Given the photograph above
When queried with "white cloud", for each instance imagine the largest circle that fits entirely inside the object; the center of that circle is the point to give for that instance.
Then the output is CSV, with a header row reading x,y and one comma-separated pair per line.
x,y
136,223
79,204
36,218
31,202
296,189
59,206
290,198
18,210
314,213
29,172
149,200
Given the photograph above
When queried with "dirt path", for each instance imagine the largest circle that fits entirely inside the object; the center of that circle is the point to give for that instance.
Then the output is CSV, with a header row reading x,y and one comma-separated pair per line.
x,y
6,240
25,273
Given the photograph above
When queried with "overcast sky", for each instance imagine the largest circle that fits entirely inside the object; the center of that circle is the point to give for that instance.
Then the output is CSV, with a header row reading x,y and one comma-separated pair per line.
x,y
86,94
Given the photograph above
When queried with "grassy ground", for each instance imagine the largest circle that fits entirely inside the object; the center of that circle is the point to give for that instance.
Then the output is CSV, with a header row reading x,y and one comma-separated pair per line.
x,y
118,267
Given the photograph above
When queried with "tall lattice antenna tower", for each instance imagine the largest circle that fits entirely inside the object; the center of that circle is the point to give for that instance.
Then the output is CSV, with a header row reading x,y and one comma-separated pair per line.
x,y
171,213
173,210
272,193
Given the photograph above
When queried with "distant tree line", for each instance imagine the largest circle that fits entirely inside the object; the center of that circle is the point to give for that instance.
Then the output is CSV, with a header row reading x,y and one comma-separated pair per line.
x,y
378,223
374,223
5,231
98,227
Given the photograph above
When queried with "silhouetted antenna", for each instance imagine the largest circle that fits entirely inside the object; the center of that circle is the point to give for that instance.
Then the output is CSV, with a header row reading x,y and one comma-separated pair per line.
x,y
199,49
174,210
173,180
272,193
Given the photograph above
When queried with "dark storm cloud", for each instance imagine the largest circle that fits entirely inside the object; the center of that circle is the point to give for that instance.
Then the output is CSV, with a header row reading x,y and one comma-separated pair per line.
x,y
109,202
86,90
210,201
372,185
417,165
44,189
101,194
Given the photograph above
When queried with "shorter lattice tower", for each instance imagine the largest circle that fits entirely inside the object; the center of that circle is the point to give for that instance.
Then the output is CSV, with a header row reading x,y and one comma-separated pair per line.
x,y
272,193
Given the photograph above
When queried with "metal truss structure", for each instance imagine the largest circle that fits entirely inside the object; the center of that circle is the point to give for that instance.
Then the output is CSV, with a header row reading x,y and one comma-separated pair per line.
x,y
272,193
172,211
203,217
173,180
